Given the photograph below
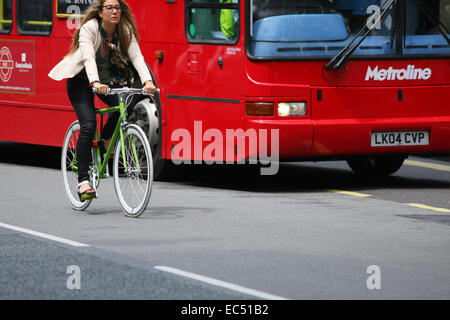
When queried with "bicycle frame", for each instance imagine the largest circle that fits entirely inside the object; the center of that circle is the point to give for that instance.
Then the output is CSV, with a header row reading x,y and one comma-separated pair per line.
x,y
118,132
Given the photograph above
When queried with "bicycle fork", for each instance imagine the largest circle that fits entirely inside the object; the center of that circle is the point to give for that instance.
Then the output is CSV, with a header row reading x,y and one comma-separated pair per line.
x,y
123,124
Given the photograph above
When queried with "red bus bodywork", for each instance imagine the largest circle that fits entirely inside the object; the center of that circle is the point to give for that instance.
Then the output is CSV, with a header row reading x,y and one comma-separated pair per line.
x,y
343,108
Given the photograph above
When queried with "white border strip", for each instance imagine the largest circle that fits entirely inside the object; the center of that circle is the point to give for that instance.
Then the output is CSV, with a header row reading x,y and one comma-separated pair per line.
x,y
44,235
219,283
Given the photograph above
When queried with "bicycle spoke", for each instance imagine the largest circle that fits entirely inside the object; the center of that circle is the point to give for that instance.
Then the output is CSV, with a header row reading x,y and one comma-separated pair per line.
x,y
133,185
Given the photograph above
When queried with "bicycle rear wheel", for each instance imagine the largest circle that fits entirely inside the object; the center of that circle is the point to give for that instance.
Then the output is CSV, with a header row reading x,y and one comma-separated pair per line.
x,y
69,168
133,174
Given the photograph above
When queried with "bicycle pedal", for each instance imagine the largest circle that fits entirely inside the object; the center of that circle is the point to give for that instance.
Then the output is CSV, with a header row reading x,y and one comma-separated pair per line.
x,y
86,197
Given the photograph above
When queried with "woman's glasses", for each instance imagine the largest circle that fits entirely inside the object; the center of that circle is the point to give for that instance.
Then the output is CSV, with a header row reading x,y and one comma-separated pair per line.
x,y
110,9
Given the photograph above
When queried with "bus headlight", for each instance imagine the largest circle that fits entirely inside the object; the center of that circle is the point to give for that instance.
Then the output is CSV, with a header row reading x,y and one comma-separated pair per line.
x,y
291,109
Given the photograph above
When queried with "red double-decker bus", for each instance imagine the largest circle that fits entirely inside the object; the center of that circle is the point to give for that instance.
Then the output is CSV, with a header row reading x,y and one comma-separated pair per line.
x,y
367,81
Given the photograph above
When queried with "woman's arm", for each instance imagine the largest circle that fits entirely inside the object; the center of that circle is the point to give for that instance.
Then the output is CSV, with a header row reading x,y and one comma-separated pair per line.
x,y
137,59
86,42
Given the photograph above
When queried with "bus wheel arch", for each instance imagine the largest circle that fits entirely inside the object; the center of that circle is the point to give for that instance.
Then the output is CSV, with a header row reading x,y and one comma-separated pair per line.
x,y
376,165
148,116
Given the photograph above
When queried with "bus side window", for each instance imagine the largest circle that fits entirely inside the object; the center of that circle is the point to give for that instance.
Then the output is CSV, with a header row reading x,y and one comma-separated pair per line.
x,y
6,21
206,22
35,16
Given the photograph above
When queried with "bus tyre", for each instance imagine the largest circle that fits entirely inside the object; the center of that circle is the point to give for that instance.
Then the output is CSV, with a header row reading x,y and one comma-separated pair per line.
x,y
375,166
147,115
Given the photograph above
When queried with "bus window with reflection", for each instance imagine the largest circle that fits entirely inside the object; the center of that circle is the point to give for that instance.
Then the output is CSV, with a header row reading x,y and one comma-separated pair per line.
x,y
35,16
444,12
318,27
212,20
6,16
322,28
427,27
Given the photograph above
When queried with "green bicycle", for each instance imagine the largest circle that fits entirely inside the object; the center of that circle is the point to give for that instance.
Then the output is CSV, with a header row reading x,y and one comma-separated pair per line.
x,y
132,160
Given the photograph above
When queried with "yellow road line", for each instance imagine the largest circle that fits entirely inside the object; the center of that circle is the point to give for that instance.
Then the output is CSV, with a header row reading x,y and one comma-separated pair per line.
x,y
350,193
422,206
441,167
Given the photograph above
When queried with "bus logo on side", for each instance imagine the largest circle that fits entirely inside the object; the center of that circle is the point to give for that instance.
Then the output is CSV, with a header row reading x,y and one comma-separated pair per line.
x,y
6,64
410,73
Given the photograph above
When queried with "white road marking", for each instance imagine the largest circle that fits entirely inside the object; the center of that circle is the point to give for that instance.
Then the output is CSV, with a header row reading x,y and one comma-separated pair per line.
x,y
220,283
43,235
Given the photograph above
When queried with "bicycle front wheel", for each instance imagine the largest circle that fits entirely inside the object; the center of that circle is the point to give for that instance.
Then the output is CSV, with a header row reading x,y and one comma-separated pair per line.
x,y
133,171
69,167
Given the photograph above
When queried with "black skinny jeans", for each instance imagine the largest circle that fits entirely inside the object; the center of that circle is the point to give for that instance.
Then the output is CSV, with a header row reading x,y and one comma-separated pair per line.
x,y
82,99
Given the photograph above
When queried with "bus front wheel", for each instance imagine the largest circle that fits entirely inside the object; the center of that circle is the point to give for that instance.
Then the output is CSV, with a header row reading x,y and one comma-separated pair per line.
x,y
375,166
147,115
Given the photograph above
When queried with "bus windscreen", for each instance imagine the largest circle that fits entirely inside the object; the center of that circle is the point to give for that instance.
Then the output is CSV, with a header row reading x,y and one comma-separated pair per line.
x,y
322,28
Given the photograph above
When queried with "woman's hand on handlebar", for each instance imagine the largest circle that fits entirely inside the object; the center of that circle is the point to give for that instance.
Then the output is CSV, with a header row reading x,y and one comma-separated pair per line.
x,y
100,88
149,87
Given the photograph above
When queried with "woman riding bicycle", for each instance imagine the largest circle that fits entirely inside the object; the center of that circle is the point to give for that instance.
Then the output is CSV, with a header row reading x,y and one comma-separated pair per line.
x,y
102,48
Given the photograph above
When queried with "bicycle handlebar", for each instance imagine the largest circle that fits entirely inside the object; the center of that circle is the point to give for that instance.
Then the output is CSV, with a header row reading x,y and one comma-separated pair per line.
x,y
114,91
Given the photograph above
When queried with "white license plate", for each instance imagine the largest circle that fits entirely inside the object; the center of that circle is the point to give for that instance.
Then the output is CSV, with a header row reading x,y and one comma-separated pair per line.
x,y
402,138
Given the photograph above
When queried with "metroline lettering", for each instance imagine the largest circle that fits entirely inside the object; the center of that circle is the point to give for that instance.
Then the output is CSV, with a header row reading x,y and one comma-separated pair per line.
x,y
410,73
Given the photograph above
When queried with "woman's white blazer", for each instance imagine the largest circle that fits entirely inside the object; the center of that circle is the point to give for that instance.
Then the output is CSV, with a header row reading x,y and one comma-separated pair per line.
x,y
84,57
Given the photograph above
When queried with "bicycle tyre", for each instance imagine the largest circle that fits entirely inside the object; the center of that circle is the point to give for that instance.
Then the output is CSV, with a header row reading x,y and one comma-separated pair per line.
x,y
133,186
68,167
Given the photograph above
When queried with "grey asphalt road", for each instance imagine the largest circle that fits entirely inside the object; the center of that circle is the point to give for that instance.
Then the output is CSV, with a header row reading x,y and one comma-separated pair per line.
x,y
314,231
